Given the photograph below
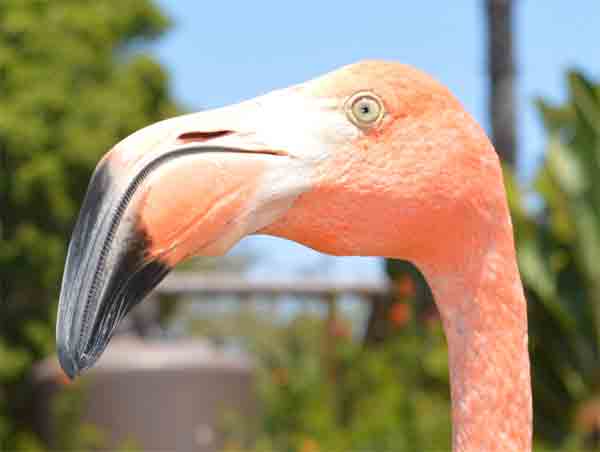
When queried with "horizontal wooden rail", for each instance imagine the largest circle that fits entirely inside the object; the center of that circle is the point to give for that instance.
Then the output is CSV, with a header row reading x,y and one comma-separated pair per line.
x,y
212,285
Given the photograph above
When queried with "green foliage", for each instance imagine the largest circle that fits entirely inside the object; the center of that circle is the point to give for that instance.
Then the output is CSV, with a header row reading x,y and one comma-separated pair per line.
x,y
69,89
322,390
70,433
66,412
559,255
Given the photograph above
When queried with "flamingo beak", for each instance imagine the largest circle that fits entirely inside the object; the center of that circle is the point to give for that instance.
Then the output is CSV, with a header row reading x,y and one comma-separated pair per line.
x,y
192,185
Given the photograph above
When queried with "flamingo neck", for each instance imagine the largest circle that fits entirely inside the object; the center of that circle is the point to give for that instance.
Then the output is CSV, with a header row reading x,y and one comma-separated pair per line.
x,y
480,298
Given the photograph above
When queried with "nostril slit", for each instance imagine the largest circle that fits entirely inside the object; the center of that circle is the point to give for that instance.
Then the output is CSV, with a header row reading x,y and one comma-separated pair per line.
x,y
195,137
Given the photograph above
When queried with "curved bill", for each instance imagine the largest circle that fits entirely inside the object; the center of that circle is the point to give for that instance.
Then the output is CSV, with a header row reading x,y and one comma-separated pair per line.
x,y
106,274
168,192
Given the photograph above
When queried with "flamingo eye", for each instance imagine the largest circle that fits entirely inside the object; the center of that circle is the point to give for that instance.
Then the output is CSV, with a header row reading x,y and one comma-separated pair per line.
x,y
364,109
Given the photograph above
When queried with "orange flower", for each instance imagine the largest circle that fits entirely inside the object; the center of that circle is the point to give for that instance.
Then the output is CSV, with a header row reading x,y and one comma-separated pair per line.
x,y
399,314
405,287
588,416
280,375
340,329
309,445
62,379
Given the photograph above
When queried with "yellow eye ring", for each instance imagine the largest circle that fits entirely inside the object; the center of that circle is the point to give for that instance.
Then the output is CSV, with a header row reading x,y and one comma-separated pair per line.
x,y
364,109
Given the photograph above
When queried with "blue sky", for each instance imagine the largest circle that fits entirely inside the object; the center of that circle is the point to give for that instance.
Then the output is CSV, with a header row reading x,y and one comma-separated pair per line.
x,y
223,52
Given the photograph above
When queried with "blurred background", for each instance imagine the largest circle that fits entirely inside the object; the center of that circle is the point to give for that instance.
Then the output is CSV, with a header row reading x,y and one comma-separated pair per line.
x,y
276,347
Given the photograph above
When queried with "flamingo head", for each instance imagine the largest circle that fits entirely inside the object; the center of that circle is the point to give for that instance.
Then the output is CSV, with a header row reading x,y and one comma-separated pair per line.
x,y
374,159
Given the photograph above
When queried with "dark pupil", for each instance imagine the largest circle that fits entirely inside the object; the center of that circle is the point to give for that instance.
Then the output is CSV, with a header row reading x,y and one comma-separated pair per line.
x,y
364,109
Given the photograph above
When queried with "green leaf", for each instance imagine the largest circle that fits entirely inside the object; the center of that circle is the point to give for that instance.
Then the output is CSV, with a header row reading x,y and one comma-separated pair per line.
x,y
538,276
565,168
586,100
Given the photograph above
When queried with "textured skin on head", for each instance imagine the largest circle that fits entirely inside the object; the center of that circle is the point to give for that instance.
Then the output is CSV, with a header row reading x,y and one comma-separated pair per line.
x,y
422,166
404,89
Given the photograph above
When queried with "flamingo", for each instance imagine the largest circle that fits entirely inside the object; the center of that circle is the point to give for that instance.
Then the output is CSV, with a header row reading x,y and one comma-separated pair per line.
x,y
373,159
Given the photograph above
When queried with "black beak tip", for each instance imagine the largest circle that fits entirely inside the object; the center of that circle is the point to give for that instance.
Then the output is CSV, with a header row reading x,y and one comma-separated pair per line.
x,y
68,362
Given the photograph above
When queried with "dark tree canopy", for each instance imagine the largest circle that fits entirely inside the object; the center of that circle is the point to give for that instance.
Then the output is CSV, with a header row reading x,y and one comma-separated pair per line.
x,y
71,86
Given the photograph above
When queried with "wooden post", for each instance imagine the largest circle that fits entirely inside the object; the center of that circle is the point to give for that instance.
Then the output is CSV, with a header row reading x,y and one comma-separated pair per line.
x,y
378,323
329,358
